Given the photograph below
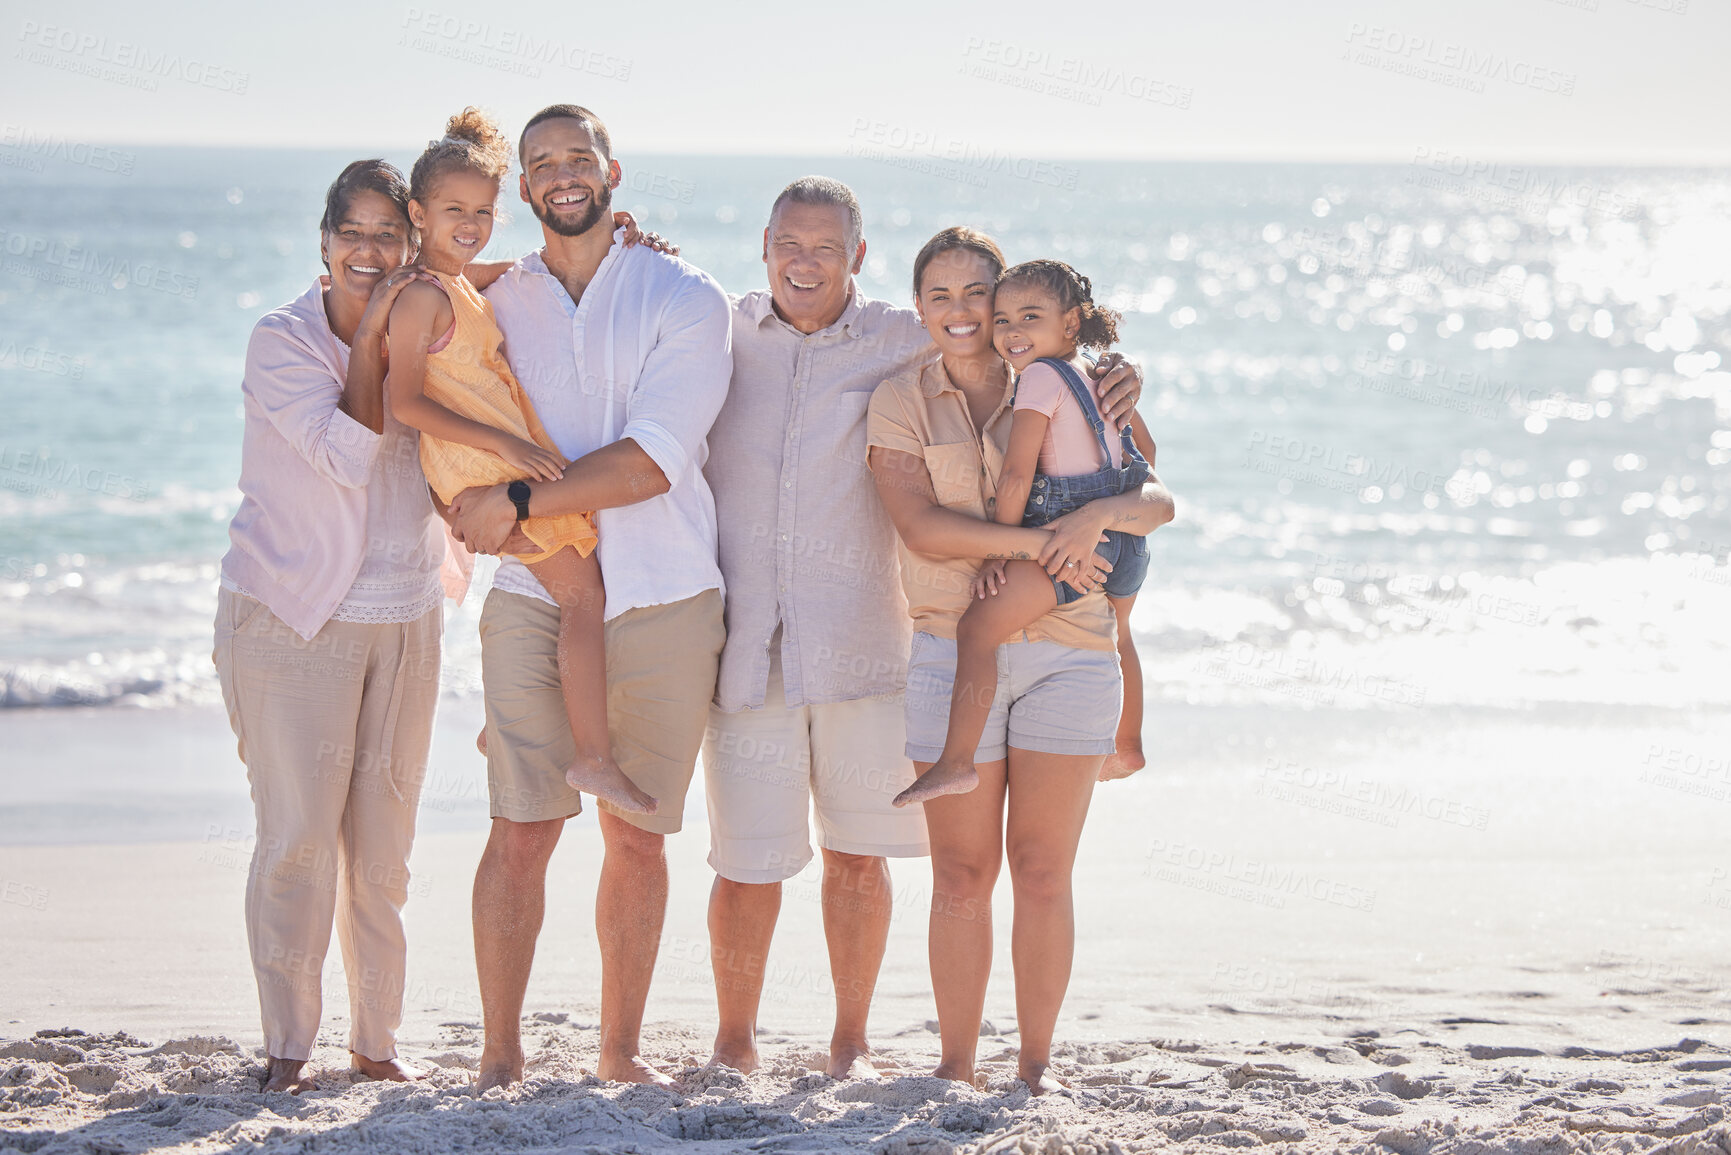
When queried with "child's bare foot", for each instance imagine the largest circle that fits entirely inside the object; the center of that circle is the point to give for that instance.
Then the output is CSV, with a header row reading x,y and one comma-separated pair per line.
x,y
1122,764
601,776
943,778
387,1070
481,740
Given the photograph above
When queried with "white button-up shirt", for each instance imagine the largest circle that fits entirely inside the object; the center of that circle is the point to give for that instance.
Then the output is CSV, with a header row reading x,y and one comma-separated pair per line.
x,y
644,355
805,542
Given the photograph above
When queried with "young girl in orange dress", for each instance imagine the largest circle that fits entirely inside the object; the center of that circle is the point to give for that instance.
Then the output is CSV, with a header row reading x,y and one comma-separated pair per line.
x,y
448,378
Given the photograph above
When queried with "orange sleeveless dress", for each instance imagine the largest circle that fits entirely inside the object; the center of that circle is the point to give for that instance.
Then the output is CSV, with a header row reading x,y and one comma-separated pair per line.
x,y
469,377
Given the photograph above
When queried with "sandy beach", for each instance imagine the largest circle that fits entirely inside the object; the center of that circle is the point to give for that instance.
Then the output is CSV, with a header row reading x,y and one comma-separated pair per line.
x,y
1439,930
1433,320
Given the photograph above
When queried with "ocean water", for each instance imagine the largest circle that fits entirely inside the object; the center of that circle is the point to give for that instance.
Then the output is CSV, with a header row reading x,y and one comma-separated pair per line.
x,y
1440,432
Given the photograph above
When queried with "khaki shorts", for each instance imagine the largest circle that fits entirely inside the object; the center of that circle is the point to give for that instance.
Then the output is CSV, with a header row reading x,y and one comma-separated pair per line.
x,y
764,770
1051,699
661,663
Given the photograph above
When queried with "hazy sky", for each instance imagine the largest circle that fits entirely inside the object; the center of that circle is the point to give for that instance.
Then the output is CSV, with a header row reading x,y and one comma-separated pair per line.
x,y
1622,81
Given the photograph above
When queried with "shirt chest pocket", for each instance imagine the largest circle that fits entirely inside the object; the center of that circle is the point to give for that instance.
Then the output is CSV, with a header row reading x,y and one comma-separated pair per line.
x,y
957,477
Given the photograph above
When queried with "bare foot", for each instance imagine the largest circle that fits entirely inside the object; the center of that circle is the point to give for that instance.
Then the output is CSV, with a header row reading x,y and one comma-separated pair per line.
x,y
481,740
1040,1081
631,1069
741,1057
943,778
1122,764
850,1061
957,1072
387,1070
499,1070
601,776
285,1075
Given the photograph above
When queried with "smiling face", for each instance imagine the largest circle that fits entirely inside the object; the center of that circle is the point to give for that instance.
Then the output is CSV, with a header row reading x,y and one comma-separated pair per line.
x,y
811,263
568,180
370,240
457,219
1028,324
955,302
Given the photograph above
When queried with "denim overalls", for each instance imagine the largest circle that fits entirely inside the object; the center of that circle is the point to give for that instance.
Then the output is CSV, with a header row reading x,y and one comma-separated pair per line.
x,y
1050,497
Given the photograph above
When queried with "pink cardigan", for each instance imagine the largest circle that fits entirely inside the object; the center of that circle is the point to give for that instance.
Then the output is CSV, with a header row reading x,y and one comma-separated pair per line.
x,y
300,535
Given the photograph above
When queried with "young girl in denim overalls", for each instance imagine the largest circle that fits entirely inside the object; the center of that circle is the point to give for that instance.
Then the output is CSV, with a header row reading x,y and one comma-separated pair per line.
x,y
1060,458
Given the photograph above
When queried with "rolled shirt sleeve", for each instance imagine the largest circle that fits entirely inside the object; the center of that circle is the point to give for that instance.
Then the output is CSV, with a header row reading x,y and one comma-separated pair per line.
x,y
684,379
887,424
299,392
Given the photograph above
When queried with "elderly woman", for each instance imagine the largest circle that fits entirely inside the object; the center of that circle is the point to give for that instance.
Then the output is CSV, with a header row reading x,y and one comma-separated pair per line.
x,y
937,435
327,637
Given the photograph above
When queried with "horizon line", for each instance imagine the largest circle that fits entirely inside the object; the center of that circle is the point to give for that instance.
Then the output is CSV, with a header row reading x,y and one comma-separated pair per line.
x,y
1657,159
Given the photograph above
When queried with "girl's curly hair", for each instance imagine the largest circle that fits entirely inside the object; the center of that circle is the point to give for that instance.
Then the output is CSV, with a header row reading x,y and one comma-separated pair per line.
x,y
1099,328
472,141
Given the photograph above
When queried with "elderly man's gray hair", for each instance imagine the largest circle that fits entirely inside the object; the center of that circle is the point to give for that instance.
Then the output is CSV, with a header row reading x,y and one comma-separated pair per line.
x,y
822,190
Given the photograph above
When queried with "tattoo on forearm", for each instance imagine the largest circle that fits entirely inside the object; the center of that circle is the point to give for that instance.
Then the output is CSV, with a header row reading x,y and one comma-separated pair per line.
x,y
1019,555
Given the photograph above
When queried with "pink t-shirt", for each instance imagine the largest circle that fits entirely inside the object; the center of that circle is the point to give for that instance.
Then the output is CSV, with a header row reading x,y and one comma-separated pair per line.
x,y
1070,449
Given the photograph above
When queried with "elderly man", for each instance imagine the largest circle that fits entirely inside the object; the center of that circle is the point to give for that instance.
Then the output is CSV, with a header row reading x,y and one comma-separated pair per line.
x,y
624,353
808,707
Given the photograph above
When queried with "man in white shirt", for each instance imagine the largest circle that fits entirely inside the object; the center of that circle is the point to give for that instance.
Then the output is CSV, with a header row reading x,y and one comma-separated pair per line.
x,y
625,354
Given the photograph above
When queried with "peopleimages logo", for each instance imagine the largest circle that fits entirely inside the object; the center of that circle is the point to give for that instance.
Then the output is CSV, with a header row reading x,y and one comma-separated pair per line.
x,y
911,147
87,269
27,148
88,52
1512,185
1078,78
1447,62
503,47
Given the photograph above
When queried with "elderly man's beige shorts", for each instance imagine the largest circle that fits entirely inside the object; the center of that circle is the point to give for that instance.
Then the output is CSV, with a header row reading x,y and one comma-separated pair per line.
x,y
764,770
661,663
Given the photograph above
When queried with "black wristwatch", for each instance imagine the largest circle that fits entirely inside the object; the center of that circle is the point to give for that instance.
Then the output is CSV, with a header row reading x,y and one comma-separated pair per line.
x,y
518,492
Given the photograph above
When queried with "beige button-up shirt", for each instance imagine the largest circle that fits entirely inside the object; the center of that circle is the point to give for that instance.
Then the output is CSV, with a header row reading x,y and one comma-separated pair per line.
x,y
920,412
804,541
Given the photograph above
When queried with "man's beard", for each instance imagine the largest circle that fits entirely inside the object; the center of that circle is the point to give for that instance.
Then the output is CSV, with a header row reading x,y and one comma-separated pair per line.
x,y
600,204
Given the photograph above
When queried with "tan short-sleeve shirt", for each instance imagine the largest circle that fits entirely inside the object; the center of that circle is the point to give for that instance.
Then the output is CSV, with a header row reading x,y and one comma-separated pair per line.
x,y
921,413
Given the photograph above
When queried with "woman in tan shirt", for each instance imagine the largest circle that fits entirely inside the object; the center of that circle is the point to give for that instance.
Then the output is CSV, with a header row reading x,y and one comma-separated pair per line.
x,y
937,436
